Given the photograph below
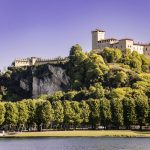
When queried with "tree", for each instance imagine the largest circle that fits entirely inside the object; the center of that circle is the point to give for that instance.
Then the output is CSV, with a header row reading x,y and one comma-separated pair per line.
x,y
95,69
11,115
117,112
129,114
76,68
141,107
68,114
22,114
70,95
2,113
105,112
96,91
58,113
57,96
44,114
77,113
94,117
85,112
31,112
111,55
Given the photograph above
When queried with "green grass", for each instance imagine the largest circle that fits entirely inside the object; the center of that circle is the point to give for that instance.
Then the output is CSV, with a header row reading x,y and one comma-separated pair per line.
x,y
82,133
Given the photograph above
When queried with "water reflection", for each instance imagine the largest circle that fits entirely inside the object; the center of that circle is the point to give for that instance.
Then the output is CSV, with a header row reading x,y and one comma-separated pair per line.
x,y
75,144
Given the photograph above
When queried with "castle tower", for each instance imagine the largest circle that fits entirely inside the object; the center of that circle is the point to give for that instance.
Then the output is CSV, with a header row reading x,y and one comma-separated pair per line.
x,y
96,36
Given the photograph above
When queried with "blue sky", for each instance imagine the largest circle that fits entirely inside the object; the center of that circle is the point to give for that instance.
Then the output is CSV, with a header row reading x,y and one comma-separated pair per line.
x,y
48,28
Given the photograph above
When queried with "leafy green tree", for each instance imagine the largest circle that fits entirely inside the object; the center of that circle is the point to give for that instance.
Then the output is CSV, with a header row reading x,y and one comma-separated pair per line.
x,y
70,95
69,114
77,113
117,78
95,69
141,107
11,115
58,113
105,113
85,112
111,55
118,93
2,113
31,112
129,112
94,117
44,114
117,112
22,114
76,67
57,96
96,91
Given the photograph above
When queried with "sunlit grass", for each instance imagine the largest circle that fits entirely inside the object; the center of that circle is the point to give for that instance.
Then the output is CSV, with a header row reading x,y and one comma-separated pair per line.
x,y
90,133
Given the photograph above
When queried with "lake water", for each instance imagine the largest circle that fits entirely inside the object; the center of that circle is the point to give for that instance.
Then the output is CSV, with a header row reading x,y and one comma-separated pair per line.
x,y
75,144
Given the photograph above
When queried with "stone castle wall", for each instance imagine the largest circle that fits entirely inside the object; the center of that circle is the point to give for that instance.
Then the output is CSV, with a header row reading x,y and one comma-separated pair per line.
x,y
33,61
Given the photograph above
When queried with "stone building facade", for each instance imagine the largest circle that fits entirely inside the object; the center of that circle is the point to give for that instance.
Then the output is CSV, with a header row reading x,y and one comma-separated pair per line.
x,y
33,61
99,42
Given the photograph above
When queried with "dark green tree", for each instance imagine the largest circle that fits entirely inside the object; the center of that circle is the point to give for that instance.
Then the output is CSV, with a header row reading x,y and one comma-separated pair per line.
x,y
94,118
141,107
105,113
117,112
44,114
85,112
129,114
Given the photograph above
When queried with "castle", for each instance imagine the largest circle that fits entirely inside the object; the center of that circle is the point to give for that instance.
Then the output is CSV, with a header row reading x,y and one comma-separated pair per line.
x,y
99,42
33,61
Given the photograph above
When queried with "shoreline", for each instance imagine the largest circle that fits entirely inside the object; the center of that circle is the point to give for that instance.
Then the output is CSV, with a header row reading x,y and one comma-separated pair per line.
x,y
79,133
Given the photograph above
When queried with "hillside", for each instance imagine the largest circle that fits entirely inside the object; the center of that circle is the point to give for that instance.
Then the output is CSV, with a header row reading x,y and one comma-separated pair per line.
x,y
109,71
110,89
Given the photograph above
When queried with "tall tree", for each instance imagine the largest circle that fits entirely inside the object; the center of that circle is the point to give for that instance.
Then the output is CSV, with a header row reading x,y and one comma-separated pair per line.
x,y
105,112
31,112
58,113
129,111
44,114
11,115
68,114
117,112
77,113
94,117
141,107
85,112
2,113
22,114
76,68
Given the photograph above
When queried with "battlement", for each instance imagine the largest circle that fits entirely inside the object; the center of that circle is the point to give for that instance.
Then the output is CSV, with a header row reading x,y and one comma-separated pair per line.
x,y
33,61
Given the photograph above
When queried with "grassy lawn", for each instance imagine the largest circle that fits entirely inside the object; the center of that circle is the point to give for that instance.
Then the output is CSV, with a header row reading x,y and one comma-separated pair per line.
x,y
90,133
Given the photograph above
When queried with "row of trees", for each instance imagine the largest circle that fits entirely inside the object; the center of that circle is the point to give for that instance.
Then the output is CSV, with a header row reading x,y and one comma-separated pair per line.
x,y
67,114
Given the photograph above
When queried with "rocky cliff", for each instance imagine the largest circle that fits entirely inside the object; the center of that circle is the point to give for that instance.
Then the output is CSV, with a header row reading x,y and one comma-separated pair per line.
x,y
30,82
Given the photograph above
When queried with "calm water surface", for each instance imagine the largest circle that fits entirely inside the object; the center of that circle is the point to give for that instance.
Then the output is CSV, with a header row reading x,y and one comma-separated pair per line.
x,y
75,144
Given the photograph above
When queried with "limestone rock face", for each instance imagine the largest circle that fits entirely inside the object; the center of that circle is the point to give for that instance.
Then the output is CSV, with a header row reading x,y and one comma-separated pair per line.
x,y
57,80
30,82
24,84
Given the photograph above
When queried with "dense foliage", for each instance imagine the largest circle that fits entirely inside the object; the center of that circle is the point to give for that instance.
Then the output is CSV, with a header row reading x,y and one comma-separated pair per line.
x,y
109,89
68,114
